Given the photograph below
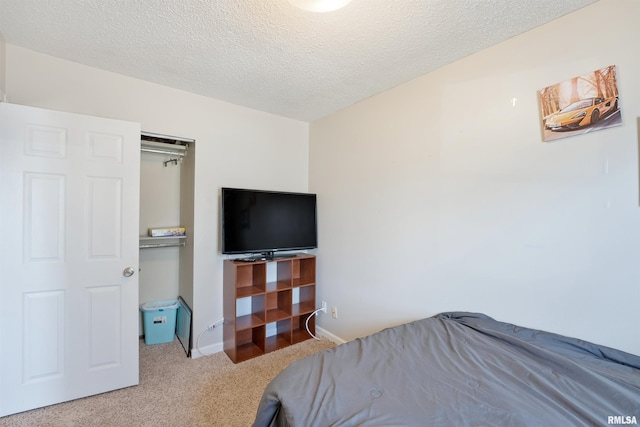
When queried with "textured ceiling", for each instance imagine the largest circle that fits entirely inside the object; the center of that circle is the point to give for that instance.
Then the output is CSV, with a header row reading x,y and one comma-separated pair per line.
x,y
266,54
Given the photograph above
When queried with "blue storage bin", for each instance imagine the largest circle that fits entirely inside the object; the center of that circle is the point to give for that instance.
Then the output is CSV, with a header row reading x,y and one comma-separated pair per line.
x,y
159,319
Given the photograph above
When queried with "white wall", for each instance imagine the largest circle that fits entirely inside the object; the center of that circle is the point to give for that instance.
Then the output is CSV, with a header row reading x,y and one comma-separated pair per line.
x,y
439,195
3,57
159,207
235,146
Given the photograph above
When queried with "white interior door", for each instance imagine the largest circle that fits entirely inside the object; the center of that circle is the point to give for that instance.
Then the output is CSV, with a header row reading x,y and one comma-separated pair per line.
x,y
69,206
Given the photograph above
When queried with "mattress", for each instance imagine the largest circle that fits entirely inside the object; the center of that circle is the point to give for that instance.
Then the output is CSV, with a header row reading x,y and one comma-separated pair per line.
x,y
456,369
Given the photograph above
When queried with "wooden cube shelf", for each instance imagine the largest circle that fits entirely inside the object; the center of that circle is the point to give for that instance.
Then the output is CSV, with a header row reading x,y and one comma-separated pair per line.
x,y
281,302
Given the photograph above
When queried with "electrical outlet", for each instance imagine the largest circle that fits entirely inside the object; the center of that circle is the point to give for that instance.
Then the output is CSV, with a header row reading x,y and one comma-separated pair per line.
x,y
324,306
334,312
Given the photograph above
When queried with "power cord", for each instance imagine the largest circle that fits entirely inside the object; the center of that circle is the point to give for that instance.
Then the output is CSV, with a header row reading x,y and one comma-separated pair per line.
x,y
211,327
306,323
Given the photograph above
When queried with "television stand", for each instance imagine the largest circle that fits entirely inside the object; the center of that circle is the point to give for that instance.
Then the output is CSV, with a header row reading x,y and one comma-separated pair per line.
x,y
282,304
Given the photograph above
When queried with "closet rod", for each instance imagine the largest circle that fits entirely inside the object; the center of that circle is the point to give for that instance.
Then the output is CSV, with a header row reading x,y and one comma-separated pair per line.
x,y
154,150
161,245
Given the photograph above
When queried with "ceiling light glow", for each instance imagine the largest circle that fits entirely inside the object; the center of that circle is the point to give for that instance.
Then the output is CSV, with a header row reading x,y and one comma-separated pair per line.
x,y
319,5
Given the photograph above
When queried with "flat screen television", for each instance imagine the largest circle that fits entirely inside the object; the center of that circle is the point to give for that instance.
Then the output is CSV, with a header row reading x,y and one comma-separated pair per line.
x,y
261,223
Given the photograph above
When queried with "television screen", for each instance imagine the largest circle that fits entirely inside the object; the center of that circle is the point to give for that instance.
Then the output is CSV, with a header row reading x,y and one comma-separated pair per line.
x,y
263,222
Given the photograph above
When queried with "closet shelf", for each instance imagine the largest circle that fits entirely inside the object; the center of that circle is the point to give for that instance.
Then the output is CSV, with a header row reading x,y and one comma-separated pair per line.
x,y
147,242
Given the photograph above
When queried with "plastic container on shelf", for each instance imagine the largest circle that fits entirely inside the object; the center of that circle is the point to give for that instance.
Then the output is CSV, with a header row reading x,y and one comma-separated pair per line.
x,y
159,320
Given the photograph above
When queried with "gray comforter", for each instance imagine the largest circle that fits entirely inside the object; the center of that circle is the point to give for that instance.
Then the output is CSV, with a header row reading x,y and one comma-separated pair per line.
x,y
456,369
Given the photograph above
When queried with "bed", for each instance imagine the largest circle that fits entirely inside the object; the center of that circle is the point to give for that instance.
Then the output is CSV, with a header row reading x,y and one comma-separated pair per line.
x,y
456,369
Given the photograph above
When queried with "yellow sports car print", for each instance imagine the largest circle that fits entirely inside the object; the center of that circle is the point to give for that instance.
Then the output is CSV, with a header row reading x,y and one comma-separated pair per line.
x,y
581,113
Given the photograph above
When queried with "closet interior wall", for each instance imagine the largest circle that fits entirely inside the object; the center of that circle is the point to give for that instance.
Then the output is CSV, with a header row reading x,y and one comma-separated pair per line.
x,y
166,200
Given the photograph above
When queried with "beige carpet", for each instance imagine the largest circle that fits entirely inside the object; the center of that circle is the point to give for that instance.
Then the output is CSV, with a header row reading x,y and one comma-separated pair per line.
x,y
176,391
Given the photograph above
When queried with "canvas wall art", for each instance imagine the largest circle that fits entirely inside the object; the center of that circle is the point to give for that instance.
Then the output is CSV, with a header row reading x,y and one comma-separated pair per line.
x,y
582,104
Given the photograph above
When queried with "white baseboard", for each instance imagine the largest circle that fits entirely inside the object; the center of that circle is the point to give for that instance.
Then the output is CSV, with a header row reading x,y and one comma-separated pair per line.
x,y
207,350
328,335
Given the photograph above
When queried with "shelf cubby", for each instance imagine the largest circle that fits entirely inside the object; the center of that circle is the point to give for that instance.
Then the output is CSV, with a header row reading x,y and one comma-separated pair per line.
x,y
250,343
278,306
303,272
299,328
282,338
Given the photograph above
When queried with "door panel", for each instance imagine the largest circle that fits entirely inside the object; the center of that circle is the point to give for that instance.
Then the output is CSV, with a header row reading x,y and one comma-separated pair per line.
x,y
103,220
105,335
43,336
44,234
69,208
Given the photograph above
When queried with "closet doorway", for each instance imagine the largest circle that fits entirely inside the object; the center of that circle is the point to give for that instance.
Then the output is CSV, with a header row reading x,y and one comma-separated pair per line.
x,y
166,201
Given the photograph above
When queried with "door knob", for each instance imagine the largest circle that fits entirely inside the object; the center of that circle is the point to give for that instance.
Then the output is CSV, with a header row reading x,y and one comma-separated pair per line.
x,y
128,272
